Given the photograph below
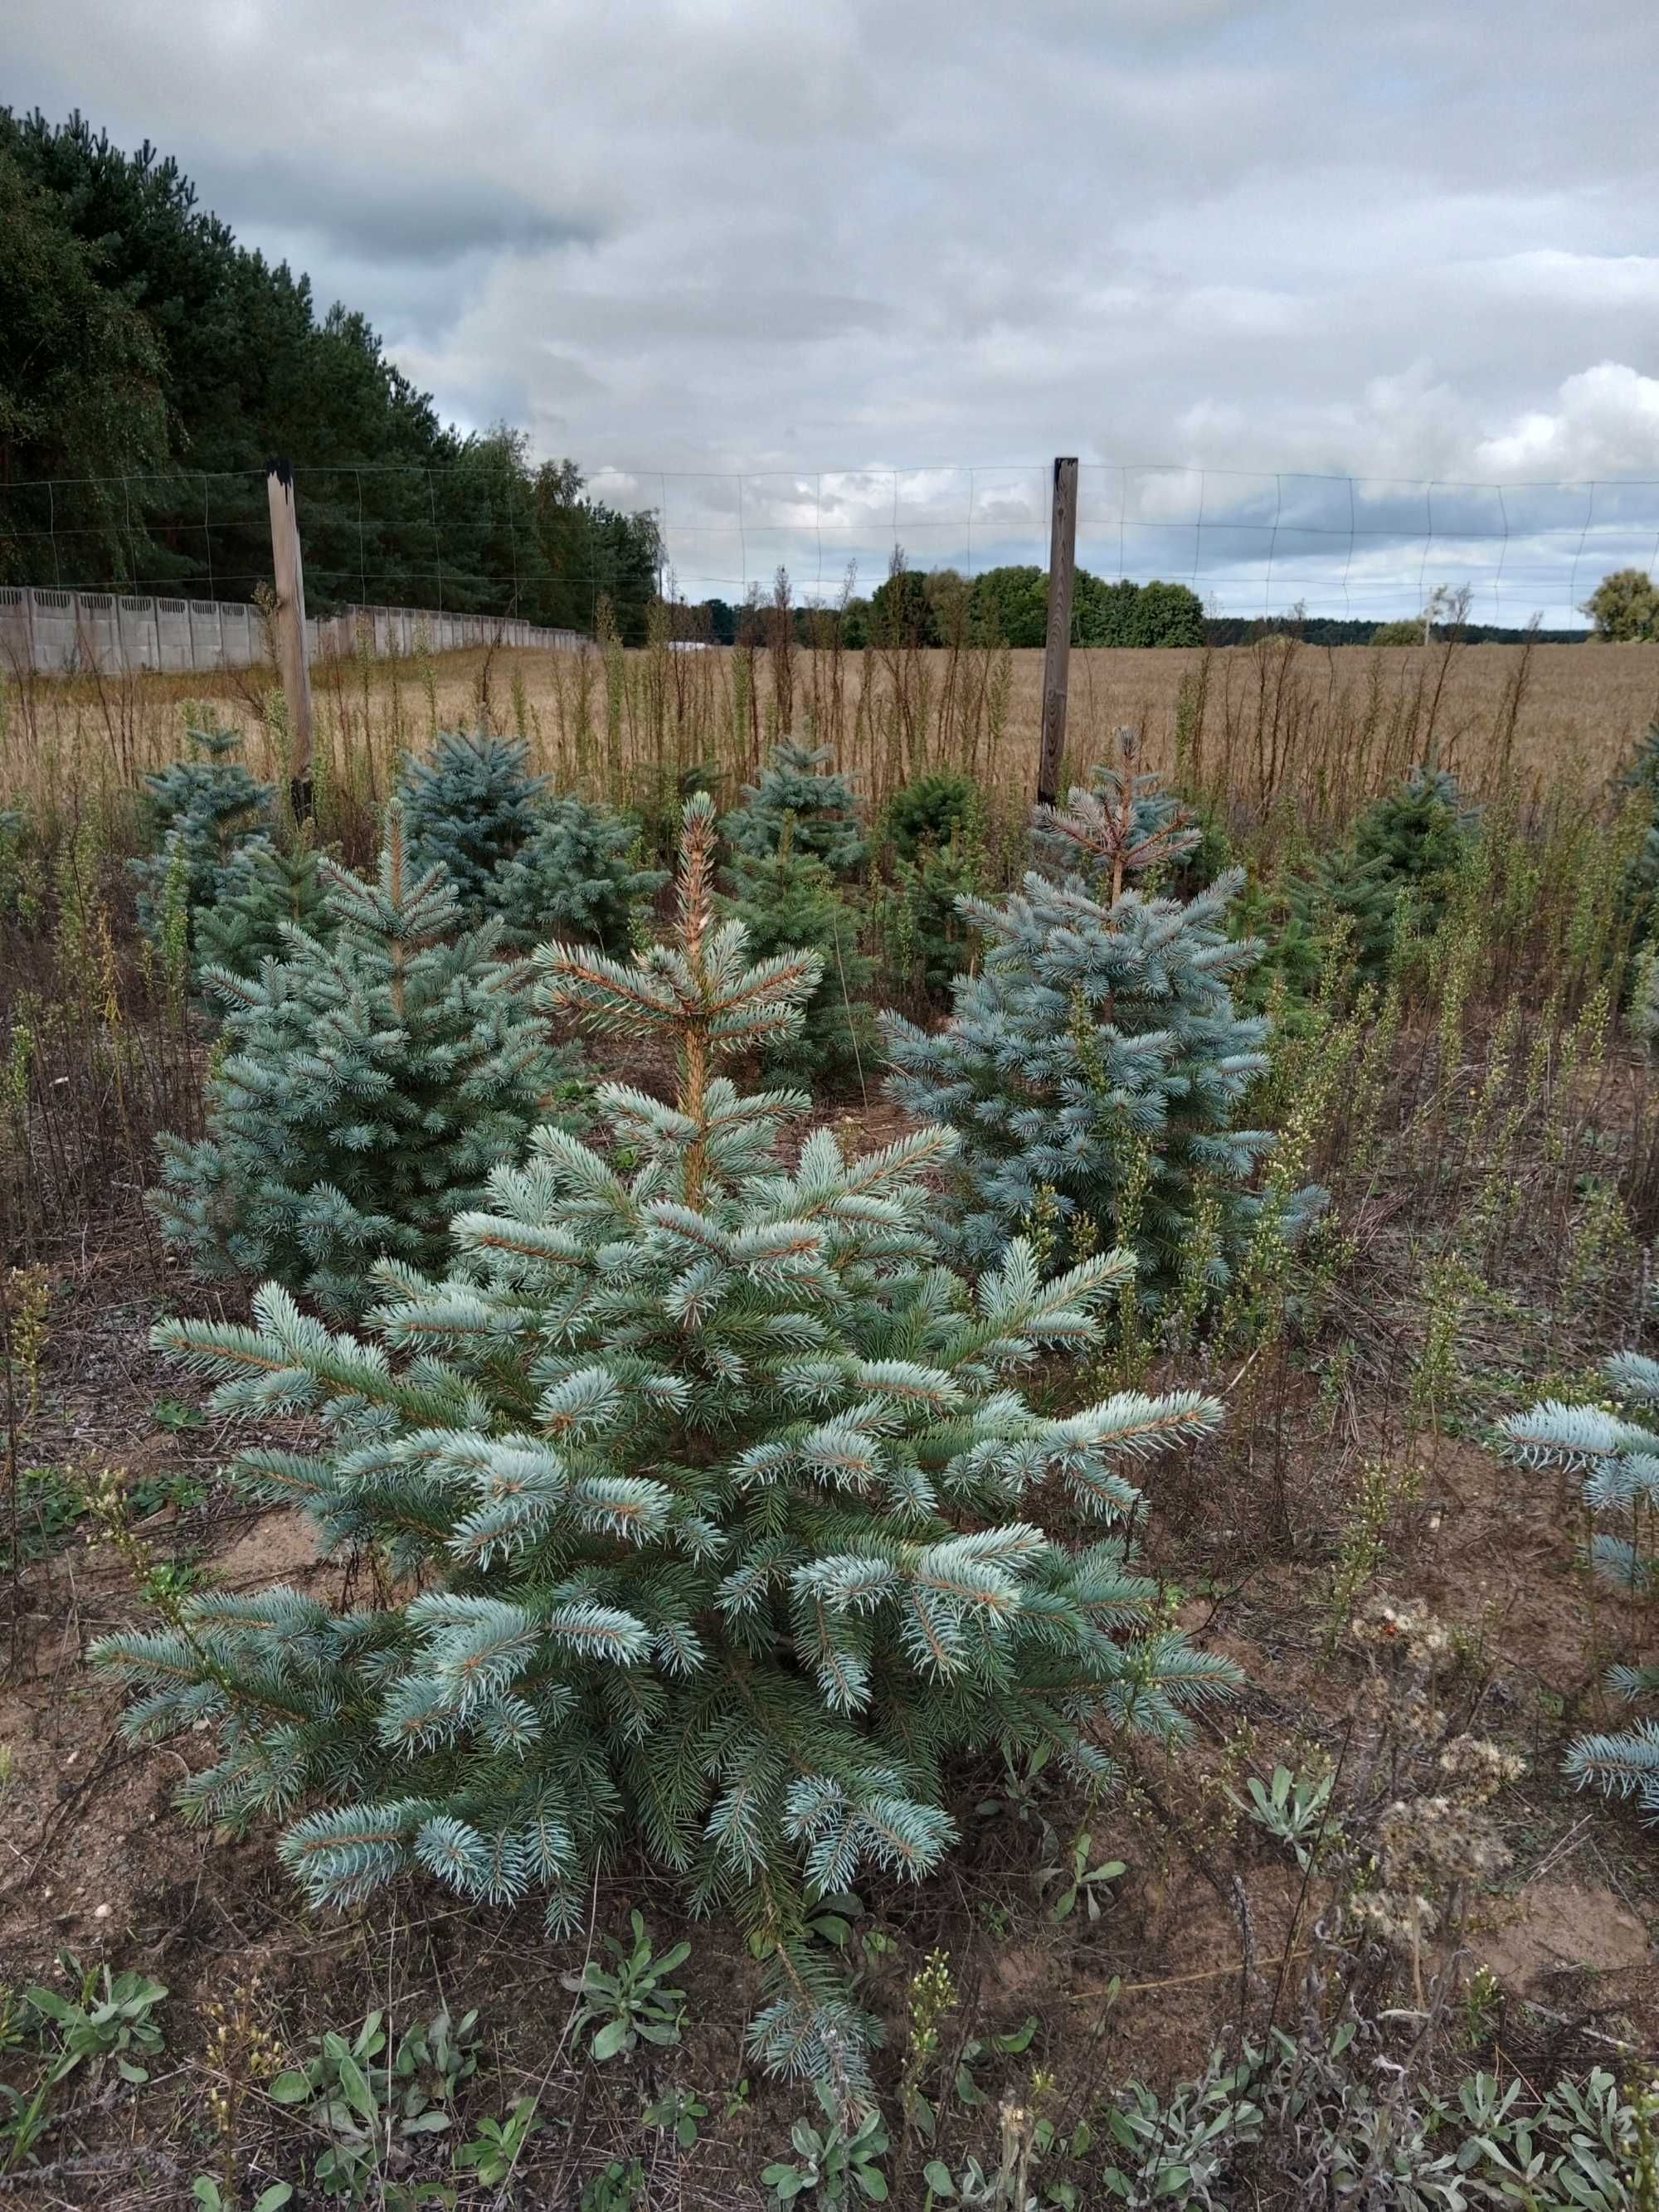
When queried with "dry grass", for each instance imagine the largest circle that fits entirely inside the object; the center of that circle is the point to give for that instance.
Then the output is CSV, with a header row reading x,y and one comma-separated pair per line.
x,y
1277,727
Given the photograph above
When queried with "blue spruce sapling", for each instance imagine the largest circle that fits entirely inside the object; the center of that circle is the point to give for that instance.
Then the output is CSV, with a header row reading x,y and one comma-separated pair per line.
x,y
263,892
1617,1449
1095,1065
200,812
799,797
708,1514
470,806
788,900
372,1080
579,875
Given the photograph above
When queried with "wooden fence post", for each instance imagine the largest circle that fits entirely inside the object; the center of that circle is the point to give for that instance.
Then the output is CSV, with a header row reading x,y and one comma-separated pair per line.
x,y
1057,658
294,668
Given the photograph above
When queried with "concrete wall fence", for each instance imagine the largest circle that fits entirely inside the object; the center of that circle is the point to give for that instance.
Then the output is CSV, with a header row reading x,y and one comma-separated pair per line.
x,y
58,632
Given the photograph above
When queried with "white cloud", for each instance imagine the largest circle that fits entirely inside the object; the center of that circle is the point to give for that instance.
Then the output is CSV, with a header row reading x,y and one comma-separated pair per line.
x,y
713,234
1605,423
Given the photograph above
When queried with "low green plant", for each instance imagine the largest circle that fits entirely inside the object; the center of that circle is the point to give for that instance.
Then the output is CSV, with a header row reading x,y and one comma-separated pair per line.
x,y
680,2113
1291,1807
1172,2150
1076,1883
619,2188
834,2159
109,2021
376,2099
205,2191
176,1417
1013,2043
494,2151
151,1493
632,2002
49,1503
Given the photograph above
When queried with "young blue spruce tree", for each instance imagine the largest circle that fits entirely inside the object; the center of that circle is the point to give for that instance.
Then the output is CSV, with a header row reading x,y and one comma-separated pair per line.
x,y
578,875
470,806
800,803
1095,1065
201,813
373,1080
724,1513
1617,1448
264,891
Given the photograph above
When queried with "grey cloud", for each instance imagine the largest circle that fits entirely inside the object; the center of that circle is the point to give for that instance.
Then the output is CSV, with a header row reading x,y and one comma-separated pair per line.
x,y
1259,236
374,215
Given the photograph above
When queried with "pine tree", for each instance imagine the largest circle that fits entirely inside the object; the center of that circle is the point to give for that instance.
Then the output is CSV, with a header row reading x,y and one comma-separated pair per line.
x,y
706,1518
1417,836
372,1082
1619,1452
788,901
579,876
797,795
1286,976
264,891
470,807
200,812
929,811
1095,1063
1341,892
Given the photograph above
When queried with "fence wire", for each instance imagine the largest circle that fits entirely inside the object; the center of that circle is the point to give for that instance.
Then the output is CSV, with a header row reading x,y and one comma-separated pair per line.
x,y
465,539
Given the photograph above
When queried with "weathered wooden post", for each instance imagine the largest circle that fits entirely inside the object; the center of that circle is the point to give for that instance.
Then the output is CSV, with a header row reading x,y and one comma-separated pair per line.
x,y
290,626
1057,657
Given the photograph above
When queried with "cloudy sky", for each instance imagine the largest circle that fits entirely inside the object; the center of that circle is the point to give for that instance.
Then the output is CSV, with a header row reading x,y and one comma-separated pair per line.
x,y
886,255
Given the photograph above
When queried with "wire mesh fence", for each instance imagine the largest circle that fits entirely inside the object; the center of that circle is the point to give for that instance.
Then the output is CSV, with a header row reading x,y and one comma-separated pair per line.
x,y
490,537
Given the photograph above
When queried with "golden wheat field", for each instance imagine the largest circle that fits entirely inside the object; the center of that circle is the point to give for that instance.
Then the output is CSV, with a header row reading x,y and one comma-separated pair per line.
x,y
1279,727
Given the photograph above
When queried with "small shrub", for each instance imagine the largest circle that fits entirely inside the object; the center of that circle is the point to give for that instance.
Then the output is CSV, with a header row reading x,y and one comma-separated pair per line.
x,y
469,808
833,2160
786,901
376,2100
799,804
371,1083
579,878
630,2001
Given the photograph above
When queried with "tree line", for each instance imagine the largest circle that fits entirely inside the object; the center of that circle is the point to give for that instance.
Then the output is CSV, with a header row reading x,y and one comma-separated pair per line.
x,y
150,365
941,607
